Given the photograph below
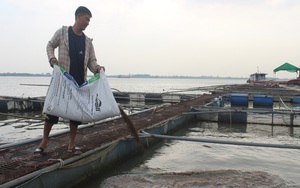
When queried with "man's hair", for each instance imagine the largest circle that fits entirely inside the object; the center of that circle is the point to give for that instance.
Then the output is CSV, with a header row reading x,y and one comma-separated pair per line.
x,y
82,10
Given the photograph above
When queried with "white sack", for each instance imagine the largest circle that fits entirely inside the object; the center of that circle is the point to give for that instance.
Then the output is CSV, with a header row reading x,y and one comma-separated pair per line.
x,y
92,101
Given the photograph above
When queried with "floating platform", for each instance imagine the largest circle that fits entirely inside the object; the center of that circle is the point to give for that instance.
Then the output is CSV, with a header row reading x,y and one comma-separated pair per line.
x,y
11,104
107,142
262,116
103,143
280,92
240,93
151,97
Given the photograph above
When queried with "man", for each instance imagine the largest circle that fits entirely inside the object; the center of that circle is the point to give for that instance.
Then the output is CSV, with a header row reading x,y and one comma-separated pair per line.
x,y
75,55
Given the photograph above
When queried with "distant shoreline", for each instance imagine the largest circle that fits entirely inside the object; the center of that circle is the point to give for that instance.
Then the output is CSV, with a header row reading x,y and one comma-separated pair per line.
x,y
125,76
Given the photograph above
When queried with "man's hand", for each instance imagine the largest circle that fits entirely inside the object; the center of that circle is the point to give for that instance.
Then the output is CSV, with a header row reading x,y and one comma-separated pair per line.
x,y
99,68
53,61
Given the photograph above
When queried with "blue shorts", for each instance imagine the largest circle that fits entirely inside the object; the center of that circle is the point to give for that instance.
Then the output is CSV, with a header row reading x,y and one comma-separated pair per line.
x,y
54,120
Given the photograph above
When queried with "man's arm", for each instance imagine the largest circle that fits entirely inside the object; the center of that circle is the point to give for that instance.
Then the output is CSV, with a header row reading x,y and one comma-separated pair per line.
x,y
52,44
92,64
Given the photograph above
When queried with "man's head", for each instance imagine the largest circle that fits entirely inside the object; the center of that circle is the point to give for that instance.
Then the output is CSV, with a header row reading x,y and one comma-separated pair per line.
x,y
82,17
82,10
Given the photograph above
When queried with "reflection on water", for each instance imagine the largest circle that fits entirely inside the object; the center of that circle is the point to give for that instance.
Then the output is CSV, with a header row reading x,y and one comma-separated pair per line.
x,y
234,127
232,122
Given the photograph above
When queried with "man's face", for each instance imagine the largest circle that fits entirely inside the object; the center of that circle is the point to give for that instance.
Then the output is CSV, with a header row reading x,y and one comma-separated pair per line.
x,y
83,20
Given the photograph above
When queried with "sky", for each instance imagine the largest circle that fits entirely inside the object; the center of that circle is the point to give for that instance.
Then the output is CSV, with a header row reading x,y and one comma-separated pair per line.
x,y
222,38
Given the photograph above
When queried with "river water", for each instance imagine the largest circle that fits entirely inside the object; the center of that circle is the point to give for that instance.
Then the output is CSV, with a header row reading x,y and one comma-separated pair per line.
x,y
20,86
174,156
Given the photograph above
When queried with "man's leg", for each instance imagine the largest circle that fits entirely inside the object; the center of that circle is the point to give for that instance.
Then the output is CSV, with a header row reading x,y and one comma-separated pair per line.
x,y
49,121
73,131
39,152
47,129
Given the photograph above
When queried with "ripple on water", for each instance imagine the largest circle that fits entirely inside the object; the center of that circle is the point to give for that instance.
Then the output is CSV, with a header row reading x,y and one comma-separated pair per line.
x,y
221,178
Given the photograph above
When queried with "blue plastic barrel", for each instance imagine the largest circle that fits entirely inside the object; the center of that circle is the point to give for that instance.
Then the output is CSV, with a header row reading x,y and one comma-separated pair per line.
x,y
265,101
239,100
295,100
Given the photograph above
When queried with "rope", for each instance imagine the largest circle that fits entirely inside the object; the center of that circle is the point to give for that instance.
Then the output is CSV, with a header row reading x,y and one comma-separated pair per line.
x,y
230,118
27,117
285,105
145,134
62,163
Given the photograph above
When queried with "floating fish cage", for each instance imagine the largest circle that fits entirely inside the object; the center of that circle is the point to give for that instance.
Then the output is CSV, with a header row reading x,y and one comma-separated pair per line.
x,y
21,105
239,100
261,113
264,116
153,97
264,101
121,97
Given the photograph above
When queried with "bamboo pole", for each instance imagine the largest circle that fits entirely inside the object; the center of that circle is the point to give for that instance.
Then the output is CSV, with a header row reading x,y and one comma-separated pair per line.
x,y
34,85
20,116
214,141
